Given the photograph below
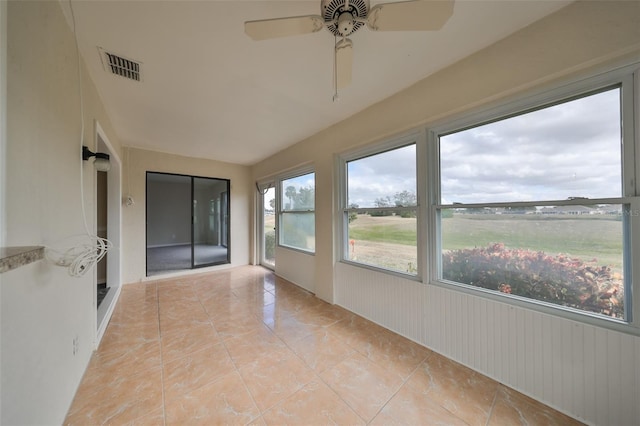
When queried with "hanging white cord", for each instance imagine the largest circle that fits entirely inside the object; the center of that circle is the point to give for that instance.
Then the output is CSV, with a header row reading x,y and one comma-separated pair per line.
x,y
128,174
335,66
75,38
128,199
84,255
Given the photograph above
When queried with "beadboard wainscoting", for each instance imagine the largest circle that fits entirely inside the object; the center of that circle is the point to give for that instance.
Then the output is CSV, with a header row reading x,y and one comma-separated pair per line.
x,y
587,372
295,266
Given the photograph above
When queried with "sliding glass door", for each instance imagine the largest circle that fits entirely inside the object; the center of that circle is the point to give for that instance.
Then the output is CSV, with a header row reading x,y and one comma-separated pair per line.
x,y
187,222
210,221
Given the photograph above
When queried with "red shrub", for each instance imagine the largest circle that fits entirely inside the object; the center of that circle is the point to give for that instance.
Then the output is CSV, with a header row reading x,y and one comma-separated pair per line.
x,y
556,279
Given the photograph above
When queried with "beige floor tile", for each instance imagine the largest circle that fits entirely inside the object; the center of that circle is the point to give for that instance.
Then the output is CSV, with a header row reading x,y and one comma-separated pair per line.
x,y
183,323
314,404
242,346
134,314
460,390
130,397
272,380
359,333
107,366
323,314
270,314
365,386
178,344
193,371
234,328
209,291
321,350
250,292
138,294
126,332
513,408
257,422
177,309
223,402
258,343
294,303
290,328
411,407
168,296
155,418
396,353
228,310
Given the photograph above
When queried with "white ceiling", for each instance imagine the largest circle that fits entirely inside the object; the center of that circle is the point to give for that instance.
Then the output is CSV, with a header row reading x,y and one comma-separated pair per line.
x,y
209,91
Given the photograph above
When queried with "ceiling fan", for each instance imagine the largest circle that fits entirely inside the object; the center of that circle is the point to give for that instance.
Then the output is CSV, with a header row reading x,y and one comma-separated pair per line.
x,y
344,17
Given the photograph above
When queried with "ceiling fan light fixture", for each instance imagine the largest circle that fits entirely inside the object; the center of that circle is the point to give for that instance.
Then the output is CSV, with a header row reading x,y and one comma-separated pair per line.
x,y
344,17
346,24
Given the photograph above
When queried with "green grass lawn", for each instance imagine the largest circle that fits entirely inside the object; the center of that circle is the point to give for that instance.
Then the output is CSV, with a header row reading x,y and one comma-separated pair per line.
x,y
585,237
389,229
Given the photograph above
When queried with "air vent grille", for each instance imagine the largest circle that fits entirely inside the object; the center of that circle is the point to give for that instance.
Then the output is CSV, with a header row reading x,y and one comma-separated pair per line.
x,y
121,66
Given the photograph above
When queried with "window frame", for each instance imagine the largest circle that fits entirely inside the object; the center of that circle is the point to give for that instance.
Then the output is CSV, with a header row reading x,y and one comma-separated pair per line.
x,y
280,211
628,78
415,137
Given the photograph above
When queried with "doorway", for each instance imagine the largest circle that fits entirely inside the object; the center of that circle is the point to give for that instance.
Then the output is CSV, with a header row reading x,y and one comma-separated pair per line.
x,y
108,220
187,222
267,229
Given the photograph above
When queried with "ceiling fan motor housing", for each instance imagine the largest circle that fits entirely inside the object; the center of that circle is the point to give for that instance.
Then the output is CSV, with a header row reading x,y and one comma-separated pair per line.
x,y
340,20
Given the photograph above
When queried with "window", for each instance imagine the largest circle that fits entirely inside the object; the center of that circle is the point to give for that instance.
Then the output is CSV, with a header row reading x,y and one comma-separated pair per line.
x,y
381,208
538,205
297,212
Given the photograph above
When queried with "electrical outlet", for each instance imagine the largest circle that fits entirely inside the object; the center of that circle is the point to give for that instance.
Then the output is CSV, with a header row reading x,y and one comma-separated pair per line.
x,y
75,345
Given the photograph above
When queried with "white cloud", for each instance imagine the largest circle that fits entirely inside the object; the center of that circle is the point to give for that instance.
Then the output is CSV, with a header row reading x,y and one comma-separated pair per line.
x,y
382,175
569,150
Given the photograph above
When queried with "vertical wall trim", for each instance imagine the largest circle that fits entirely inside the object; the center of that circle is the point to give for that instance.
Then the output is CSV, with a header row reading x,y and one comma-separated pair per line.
x,y
3,133
3,120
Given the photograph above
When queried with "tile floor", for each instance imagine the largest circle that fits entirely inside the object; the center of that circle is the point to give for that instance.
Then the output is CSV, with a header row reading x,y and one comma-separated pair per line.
x,y
242,346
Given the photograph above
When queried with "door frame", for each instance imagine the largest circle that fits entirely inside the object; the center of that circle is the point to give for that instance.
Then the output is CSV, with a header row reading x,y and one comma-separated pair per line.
x,y
114,232
262,188
192,179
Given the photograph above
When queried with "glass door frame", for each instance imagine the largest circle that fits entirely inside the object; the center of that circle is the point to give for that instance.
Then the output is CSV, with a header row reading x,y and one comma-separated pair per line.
x,y
263,188
225,216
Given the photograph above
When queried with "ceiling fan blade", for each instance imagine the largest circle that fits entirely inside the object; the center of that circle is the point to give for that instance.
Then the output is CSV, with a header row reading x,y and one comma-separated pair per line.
x,y
419,15
283,27
344,63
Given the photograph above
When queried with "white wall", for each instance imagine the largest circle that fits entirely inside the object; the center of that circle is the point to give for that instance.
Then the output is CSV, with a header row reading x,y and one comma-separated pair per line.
x,y
42,308
587,372
133,230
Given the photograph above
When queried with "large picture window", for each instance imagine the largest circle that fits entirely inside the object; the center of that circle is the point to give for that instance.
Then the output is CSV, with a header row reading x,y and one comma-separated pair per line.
x,y
538,205
297,212
381,209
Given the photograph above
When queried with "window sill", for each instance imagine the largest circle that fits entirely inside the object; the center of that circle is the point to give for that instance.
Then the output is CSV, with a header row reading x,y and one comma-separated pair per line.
x,y
299,250
15,257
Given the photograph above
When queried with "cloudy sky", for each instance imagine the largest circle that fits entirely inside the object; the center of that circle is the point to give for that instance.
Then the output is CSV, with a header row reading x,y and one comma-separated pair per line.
x,y
382,175
569,150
